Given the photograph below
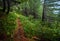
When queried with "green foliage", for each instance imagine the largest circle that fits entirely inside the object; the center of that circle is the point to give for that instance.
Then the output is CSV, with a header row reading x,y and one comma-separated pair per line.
x,y
27,25
9,23
23,0
33,27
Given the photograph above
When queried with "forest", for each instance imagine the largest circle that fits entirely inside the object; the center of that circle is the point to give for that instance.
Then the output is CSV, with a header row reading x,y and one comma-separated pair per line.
x,y
29,20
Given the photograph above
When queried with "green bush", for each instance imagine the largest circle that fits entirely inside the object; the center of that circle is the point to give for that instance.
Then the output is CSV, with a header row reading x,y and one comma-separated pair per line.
x,y
9,23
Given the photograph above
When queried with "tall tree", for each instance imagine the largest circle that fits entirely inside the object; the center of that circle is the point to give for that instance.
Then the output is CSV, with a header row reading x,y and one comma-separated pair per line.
x,y
50,9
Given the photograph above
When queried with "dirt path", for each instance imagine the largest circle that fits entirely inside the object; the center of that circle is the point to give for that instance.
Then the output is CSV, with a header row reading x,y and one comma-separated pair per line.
x,y
19,32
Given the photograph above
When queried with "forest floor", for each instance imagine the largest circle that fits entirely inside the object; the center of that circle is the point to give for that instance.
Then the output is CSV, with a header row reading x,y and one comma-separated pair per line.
x,y
19,33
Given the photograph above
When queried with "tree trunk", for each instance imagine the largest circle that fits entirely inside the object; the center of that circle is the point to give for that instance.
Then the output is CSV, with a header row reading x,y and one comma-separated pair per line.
x,y
44,14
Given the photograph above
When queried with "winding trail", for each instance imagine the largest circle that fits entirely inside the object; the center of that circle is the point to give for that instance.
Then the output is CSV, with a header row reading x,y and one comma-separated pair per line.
x,y
19,32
